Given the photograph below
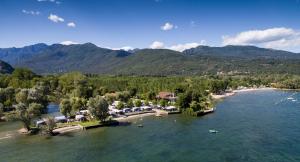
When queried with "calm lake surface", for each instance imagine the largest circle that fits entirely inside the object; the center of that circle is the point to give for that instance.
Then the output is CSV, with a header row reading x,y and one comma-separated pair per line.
x,y
253,126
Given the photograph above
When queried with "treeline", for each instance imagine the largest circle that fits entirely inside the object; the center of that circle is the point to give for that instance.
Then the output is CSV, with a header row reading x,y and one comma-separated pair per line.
x,y
25,95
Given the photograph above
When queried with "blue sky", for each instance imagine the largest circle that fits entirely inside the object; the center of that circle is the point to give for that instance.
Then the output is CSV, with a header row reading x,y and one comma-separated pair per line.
x,y
174,24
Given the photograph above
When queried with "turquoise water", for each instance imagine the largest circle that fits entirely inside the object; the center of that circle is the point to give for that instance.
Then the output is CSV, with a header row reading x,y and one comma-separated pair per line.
x,y
253,126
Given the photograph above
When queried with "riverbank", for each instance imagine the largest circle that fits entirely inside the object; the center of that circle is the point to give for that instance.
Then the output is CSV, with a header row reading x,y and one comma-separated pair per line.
x,y
222,96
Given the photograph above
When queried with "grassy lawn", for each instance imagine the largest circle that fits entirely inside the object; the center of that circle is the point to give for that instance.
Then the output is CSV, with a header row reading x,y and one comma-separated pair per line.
x,y
61,125
90,123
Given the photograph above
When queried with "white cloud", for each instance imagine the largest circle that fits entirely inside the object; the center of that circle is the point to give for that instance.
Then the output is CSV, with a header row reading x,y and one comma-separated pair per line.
x,y
31,12
177,47
125,48
182,47
71,24
157,45
258,36
68,43
55,18
168,26
53,1
283,43
277,38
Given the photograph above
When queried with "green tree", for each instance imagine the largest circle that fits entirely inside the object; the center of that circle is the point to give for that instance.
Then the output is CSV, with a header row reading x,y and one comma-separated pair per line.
x,y
163,103
138,103
147,103
195,106
25,114
130,103
120,105
65,107
98,108
1,110
77,104
151,95
22,96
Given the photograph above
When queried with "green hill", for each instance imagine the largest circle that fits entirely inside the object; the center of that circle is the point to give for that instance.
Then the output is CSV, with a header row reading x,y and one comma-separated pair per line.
x,y
89,58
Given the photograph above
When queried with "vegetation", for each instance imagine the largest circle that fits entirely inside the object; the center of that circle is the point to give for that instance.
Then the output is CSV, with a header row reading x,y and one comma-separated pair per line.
x,y
50,125
98,107
89,58
25,95
5,68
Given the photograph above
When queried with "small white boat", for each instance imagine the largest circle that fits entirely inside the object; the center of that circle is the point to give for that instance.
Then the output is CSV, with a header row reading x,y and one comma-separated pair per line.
x,y
290,98
213,131
140,125
294,100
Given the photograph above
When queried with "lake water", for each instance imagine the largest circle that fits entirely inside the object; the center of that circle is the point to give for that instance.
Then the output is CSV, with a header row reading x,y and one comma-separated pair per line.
x,y
253,126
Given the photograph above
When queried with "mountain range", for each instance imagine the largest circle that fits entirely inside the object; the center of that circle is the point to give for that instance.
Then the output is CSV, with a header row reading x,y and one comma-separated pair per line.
x,y
89,58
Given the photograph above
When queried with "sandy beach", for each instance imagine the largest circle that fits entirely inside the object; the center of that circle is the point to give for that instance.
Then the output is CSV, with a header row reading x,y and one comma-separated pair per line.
x,y
238,91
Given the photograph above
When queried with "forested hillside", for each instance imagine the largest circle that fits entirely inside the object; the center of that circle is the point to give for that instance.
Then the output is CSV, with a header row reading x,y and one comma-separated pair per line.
x,y
88,58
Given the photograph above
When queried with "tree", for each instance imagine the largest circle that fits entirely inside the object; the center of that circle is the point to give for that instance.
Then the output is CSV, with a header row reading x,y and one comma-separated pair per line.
x,y
26,109
130,103
21,78
151,95
25,114
50,125
138,103
219,86
77,103
22,96
184,100
65,107
195,106
163,103
123,96
120,105
35,108
1,110
133,91
147,103
70,81
98,108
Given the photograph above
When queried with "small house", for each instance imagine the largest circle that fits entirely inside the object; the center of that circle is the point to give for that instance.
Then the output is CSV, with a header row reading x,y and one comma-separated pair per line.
x,y
169,96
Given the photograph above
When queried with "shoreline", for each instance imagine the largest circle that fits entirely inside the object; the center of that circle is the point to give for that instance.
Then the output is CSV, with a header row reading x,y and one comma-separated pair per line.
x,y
128,118
217,97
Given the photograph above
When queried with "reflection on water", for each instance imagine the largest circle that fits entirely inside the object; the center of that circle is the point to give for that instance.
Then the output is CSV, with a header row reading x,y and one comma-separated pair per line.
x,y
252,127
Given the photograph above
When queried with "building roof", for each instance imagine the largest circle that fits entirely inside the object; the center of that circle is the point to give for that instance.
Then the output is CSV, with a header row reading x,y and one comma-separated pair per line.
x,y
166,95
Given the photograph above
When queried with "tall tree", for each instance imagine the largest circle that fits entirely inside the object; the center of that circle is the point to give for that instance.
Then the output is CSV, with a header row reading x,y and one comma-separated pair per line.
x,y
65,107
98,108
50,125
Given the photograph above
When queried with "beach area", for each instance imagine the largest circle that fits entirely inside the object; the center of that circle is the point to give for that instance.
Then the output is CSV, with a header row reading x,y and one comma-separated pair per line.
x,y
222,96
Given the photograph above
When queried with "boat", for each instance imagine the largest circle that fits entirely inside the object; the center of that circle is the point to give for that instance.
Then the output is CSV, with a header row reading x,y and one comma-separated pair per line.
x,y
294,100
140,125
213,131
290,98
